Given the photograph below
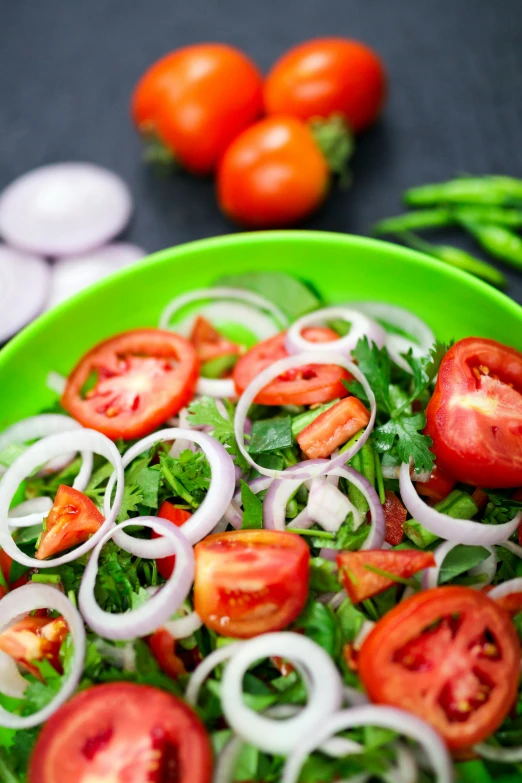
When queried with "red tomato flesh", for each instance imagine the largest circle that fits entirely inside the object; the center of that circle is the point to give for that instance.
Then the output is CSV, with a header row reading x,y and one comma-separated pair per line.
x,y
333,428
33,639
71,521
163,647
178,516
306,385
209,343
362,582
394,517
438,486
450,655
141,378
475,414
122,733
250,581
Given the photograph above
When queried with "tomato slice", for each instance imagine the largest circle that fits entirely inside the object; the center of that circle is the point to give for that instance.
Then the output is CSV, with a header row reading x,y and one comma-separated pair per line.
x,y
141,378
333,428
250,581
314,383
438,486
33,639
122,733
394,518
450,655
475,414
364,572
163,647
71,521
208,342
178,516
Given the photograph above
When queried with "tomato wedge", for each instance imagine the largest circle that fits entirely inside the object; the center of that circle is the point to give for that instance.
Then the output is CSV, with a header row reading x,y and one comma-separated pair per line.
x,y
314,383
394,518
178,516
140,378
163,647
33,639
122,733
208,342
333,428
250,581
475,414
71,521
450,655
364,572
438,486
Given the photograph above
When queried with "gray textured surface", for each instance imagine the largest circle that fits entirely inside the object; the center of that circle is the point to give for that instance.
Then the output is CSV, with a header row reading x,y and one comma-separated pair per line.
x,y
67,68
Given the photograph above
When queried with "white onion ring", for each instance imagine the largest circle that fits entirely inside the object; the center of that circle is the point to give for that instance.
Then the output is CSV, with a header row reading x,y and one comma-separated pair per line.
x,y
221,388
506,588
500,755
40,596
361,326
354,697
430,576
372,715
325,695
329,507
460,531
204,518
394,471
11,681
150,616
38,507
182,627
276,369
56,382
37,454
202,671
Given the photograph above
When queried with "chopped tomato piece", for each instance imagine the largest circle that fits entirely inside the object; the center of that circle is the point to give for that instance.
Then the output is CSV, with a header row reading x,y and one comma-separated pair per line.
x,y
438,487
333,428
71,521
163,647
480,498
6,561
250,582
208,342
512,602
351,657
33,639
394,517
140,378
449,655
362,575
178,516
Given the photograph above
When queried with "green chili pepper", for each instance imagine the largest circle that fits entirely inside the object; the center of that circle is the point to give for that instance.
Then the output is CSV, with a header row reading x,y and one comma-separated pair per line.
x,y
484,214
364,462
499,241
493,190
457,504
423,218
458,258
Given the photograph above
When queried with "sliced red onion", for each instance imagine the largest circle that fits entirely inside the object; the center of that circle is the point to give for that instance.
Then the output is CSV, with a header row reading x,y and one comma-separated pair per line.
x,y
361,326
56,382
375,537
11,681
159,608
329,554
204,518
500,755
512,547
234,515
276,369
303,521
461,531
354,697
371,715
329,507
253,315
324,698
405,770
64,208
37,507
74,273
36,455
221,388
506,588
366,628
279,493
181,627
207,665
27,599
336,600
430,576
24,287
394,471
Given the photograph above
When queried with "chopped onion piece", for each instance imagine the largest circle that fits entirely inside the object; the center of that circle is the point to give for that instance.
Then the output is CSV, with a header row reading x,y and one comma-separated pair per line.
x,y
27,599
181,627
36,455
221,388
506,588
157,610
500,755
207,665
360,326
64,208
324,698
354,697
56,382
329,507
24,287
11,681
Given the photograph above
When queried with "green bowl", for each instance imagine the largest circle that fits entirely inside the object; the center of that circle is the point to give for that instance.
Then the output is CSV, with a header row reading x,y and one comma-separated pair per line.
x,y
341,267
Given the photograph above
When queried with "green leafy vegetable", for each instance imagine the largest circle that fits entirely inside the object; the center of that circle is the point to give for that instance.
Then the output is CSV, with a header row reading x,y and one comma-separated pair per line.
x,y
205,412
323,576
460,560
271,435
318,623
252,508
291,295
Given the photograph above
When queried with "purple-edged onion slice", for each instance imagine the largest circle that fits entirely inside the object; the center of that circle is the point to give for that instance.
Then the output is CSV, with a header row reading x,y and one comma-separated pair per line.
x,y
277,368
24,289
64,208
27,599
360,326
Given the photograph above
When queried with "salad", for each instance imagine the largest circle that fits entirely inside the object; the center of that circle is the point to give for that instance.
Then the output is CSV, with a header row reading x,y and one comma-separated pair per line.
x,y
269,540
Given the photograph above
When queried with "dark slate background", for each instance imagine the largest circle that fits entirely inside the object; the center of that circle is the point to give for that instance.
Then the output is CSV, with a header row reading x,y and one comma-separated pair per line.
x,y
67,68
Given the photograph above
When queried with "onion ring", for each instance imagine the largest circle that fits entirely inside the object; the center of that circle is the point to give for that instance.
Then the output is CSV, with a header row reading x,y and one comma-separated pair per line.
x,y
361,326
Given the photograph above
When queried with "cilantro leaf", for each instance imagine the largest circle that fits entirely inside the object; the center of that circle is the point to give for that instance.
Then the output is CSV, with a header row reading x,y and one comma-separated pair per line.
x,y
252,508
318,622
292,296
375,365
461,559
404,434
132,498
205,412
186,476
271,435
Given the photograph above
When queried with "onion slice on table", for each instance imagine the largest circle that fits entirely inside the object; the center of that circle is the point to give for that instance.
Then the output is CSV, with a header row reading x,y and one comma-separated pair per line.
x,y
372,715
276,369
460,531
324,697
24,288
160,607
36,455
72,274
204,518
361,326
64,208
27,599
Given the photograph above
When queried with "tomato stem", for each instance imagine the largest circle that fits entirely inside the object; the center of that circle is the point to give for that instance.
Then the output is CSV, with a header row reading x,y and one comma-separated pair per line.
x,y
336,142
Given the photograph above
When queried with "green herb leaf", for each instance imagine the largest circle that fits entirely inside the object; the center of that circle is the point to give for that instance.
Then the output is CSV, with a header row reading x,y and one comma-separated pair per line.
x,y
271,434
323,576
252,508
404,434
291,295
460,560
205,412
318,623
148,483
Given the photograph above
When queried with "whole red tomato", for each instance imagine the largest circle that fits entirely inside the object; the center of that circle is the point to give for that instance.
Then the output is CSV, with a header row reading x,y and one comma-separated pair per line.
x,y
328,76
273,174
196,100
